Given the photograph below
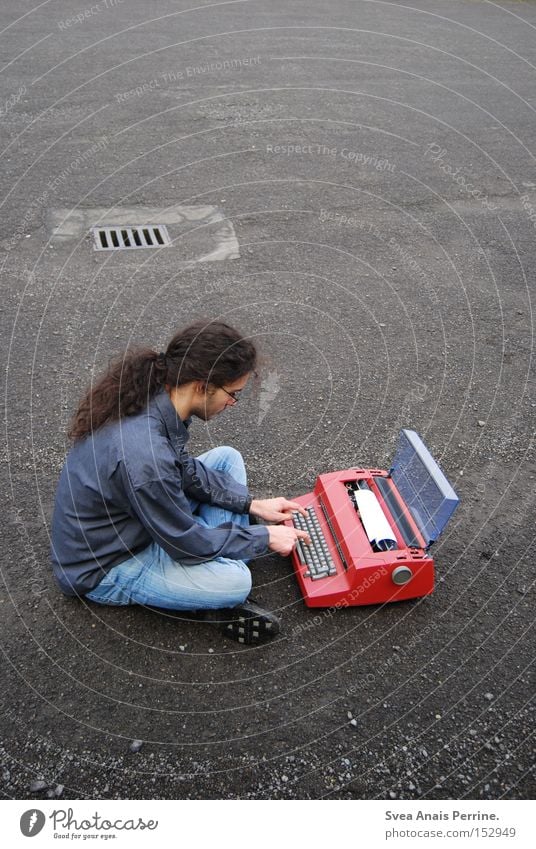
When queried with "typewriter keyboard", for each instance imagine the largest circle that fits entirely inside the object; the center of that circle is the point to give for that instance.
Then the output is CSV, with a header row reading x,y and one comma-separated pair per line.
x,y
316,556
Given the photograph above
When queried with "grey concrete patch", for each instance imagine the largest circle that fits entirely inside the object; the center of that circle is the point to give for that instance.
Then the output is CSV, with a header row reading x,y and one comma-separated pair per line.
x,y
207,226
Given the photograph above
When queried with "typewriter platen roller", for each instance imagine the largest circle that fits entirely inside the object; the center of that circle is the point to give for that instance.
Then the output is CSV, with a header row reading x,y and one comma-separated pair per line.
x,y
371,530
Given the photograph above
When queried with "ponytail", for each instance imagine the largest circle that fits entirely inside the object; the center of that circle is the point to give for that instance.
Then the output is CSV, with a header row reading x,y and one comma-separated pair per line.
x,y
211,351
125,388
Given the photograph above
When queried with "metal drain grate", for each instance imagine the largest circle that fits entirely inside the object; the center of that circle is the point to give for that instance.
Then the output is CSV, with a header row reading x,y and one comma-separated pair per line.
x,y
128,238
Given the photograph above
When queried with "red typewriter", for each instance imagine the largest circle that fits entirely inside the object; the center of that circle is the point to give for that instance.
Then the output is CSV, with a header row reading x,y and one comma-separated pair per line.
x,y
371,530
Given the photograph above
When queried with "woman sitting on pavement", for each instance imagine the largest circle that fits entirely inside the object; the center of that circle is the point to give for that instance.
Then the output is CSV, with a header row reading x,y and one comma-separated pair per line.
x,y
137,520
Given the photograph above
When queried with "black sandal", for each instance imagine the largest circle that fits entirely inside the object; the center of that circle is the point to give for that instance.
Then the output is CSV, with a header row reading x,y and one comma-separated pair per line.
x,y
247,623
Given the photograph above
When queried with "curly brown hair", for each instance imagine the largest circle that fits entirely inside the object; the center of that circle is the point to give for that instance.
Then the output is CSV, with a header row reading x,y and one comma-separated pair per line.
x,y
205,350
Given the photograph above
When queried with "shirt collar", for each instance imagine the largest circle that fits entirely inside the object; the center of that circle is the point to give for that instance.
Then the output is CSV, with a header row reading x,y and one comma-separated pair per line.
x,y
177,429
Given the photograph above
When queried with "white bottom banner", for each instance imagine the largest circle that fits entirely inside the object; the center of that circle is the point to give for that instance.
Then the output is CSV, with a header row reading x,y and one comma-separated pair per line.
x,y
268,824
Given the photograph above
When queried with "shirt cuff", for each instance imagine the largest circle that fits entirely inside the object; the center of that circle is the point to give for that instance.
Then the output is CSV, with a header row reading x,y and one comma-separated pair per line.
x,y
261,539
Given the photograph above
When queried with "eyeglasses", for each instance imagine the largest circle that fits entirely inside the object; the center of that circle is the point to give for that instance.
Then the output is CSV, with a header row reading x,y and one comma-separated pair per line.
x,y
234,395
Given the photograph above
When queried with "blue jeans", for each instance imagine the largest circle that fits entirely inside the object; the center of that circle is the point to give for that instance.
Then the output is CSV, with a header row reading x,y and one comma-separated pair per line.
x,y
153,578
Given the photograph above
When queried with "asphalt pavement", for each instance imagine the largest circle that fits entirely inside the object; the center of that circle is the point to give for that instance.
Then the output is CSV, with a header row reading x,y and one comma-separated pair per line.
x,y
354,185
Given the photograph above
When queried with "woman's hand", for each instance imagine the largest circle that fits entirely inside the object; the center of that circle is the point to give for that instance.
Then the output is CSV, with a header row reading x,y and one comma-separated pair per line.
x,y
275,509
282,539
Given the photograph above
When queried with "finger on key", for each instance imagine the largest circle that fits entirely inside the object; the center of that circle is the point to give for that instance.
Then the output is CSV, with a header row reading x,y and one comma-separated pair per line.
x,y
303,535
293,505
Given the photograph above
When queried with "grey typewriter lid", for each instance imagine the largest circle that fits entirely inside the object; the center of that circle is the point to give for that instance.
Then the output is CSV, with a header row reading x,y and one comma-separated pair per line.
x,y
428,495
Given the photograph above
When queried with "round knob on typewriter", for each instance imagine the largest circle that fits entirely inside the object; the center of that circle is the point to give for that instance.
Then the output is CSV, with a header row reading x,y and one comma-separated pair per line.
x,y
401,575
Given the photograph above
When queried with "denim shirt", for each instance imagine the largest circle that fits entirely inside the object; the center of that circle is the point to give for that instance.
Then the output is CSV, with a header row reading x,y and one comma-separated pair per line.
x,y
127,485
